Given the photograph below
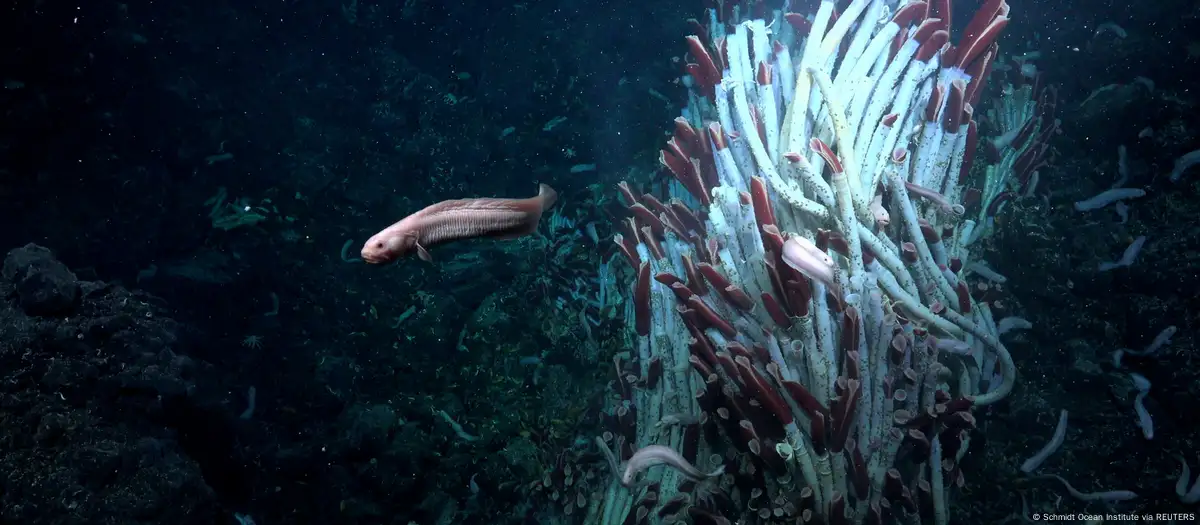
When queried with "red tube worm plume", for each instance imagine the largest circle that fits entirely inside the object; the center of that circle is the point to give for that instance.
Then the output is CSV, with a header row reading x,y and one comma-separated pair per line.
x,y
798,291
948,233
959,421
626,192
822,149
645,505
626,446
955,472
917,444
879,512
705,73
653,372
931,236
776,275
1018,140
750,437
693,144
684,169
627,417
934,103
645,217
859,477
956,264
665,215
964,297
646,236
850,334
686,216
667,278
971,197
842,412
760,352
764,74
681,291
778,315
694,282
763,213
700,345
837,510
933,43
980,71
758,124
625,389
728,291
712,250
818,434
729,415
641,300
727,364
998,203
898,350
951,441
799,23
925,499
896,492
936,307
716,136
629,228
853,365
686,135
984,292
982,31
763,392
676,503
939,396
955,106
775,462
701,367
909,14
831,240
737,350
772,238
629,249
926,29
806,500
710,317
805,400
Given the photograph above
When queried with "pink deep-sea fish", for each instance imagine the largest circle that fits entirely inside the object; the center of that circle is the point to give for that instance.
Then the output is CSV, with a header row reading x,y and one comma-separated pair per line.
x,y
458,219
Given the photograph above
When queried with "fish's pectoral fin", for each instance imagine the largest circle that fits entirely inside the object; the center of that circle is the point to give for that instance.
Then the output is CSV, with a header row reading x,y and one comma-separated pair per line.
x,y
423,253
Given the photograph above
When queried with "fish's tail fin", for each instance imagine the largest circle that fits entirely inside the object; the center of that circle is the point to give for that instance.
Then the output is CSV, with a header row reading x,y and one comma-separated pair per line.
x,y
532,208
547,196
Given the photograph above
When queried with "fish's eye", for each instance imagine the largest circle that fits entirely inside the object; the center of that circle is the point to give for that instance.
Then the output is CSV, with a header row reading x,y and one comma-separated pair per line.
x,y
379,245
